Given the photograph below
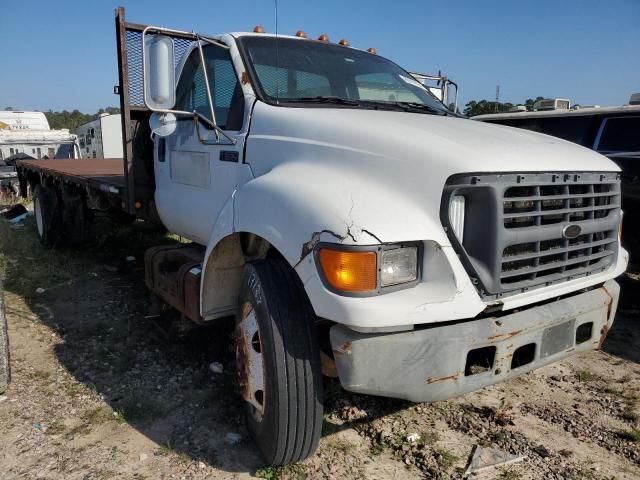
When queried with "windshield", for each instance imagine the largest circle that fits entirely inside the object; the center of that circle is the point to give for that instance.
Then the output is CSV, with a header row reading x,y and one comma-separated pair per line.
x,y
305,71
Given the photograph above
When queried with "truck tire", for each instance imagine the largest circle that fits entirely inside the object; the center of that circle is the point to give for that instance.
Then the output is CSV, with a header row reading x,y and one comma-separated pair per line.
x,y
278,363
75,219
5,370
47,210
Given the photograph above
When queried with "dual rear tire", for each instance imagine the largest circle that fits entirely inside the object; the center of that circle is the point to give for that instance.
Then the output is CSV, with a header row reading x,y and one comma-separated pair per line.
x,y
61,217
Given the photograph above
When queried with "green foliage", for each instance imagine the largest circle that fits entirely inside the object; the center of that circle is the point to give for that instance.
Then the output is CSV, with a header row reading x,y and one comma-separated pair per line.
x,y
482,107
73,119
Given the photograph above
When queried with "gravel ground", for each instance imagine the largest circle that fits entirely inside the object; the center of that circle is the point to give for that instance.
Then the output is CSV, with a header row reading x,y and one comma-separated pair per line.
x,y
99,392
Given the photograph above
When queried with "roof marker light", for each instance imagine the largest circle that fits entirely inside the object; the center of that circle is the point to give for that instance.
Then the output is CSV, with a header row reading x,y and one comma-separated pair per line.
x,y
324,38
372,50
301,34
344,42
258,29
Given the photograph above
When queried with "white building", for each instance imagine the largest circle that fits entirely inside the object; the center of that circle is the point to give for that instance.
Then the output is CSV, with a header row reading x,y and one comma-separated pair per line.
x,y
29,133
101,138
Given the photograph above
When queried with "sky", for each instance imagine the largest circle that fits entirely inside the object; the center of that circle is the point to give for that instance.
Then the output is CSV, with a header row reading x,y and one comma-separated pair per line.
x,y
62,54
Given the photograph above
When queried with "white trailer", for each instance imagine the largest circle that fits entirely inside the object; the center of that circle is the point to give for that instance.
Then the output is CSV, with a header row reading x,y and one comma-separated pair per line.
x,y
101,138
28,133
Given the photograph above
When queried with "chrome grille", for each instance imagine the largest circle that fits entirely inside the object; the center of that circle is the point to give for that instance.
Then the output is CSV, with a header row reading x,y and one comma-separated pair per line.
x,y
515,227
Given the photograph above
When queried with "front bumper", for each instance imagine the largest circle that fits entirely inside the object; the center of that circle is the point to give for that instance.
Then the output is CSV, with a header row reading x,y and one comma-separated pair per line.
x,y
443,361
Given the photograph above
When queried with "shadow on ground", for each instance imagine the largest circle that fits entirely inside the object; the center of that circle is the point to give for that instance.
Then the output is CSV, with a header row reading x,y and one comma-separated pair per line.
x,y
96,300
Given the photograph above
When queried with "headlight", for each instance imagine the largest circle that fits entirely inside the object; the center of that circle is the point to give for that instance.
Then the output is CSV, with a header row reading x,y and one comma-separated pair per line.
x,y
399,265
367,270
456,216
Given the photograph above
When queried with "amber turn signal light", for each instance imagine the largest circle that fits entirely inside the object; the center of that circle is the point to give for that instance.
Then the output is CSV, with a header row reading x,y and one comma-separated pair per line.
x,y
349,271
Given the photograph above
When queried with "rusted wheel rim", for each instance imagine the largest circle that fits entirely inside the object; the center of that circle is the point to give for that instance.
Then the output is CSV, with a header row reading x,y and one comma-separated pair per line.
x,y
250,362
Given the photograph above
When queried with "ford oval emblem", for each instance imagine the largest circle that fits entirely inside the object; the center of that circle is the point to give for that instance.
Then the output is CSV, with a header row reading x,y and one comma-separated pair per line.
x,y
571,231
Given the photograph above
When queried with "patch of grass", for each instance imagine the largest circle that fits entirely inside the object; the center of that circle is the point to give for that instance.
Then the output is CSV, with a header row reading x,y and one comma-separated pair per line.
x,y
376,449
629,414
40,375
498,436
98,416
625,379
429,438
632,435
507,473
55,428
586,376
565,452
341,445
296,471
445,458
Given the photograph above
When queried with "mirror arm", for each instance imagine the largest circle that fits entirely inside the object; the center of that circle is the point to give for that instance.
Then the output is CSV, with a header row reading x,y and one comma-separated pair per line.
x,y
208,87
197,117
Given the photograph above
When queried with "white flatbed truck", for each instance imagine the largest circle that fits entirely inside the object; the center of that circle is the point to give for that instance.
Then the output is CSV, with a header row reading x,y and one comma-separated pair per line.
x,y
348,221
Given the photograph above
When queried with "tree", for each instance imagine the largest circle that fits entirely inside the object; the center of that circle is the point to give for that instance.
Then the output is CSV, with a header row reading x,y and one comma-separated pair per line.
x,y
71,120
483,107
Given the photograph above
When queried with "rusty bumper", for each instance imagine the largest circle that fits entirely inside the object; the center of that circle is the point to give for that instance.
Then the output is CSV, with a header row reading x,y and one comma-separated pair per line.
x,y
443,361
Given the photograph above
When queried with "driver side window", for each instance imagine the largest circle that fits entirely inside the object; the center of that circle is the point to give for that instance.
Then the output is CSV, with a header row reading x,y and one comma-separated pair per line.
x,y
226,93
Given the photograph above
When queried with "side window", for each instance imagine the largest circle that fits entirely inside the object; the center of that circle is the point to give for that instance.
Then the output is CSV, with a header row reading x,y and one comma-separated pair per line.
x,y
226,93
620,134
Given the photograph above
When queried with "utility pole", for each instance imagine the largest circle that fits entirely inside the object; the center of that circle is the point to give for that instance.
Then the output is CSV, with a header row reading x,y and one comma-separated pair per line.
x,y
497,97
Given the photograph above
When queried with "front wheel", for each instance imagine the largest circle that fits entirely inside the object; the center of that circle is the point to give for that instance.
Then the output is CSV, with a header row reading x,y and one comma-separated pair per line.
x,y
278,363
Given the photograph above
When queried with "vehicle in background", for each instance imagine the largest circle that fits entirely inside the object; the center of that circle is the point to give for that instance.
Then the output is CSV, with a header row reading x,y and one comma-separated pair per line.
x,y
346,221
611,131
27,135
102,137
440,86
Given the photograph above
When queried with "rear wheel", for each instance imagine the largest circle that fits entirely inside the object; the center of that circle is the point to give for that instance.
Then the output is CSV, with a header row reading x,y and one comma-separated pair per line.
x,y
5,371
47,210
278,363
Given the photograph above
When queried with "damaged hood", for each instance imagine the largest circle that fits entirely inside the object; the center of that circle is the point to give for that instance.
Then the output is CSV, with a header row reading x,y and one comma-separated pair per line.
x,y
377,176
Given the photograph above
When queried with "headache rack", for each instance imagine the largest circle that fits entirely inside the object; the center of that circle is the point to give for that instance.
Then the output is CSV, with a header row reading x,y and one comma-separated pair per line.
x,y
529,230
137,145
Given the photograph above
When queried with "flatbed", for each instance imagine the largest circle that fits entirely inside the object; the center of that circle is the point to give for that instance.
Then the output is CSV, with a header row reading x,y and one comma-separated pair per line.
x,y
105,174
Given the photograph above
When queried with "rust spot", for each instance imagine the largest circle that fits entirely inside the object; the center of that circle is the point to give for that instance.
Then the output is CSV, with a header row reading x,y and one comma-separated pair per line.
x,y
244,79
328,366
431,380
504,335
603,336
243,365
342,349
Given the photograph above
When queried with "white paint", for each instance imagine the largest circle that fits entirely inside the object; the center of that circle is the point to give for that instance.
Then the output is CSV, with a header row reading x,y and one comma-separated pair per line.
x,y
369,177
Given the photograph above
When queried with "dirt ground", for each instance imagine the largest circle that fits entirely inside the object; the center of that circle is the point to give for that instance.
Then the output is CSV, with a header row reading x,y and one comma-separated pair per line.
x,y
98,392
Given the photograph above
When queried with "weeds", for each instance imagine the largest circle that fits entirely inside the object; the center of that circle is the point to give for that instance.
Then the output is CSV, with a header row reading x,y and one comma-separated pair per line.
x,y
296,471
586,376
632,435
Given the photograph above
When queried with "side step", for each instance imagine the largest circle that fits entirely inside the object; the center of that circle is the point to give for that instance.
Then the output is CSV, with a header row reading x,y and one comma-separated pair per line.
x,y
174,274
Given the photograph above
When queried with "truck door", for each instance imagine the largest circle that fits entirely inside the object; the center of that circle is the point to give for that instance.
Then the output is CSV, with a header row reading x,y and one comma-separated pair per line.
x,y
194,176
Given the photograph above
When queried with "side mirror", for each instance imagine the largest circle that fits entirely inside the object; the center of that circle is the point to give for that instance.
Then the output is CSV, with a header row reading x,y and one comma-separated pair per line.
x,y
163,124
159,72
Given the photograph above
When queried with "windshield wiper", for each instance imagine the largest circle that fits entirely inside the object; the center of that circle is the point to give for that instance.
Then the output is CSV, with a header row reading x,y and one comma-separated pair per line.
x,y
420,106
321,99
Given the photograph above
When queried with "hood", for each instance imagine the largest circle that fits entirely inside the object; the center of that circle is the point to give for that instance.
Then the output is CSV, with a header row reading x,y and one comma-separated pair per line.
x,y
357,172
452,145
